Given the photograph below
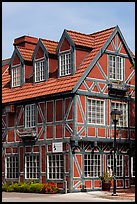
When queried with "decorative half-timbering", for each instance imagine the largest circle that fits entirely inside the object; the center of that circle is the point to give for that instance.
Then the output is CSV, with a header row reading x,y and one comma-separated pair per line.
x,y
57,100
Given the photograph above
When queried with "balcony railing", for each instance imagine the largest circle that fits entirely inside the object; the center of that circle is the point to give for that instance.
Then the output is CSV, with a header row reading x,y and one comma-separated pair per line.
x,y
28,135
117,89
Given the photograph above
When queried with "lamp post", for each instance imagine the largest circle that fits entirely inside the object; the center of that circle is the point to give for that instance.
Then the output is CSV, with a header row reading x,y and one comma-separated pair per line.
x,y
115,114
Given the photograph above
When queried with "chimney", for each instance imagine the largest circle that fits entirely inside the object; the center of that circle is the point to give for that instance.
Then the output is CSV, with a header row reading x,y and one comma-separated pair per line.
x,y
26,41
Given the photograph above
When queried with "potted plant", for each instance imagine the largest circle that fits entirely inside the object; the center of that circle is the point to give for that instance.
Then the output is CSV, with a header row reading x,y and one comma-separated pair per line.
x,y
106,179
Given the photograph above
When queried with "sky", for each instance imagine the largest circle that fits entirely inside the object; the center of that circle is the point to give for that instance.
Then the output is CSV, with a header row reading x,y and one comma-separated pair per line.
x,y
49,19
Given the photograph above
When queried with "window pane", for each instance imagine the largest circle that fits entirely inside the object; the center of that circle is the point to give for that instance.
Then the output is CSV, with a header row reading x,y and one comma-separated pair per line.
x,y
16,76
65,64
39,71
95,111
30,115
55,166
92,165
32,166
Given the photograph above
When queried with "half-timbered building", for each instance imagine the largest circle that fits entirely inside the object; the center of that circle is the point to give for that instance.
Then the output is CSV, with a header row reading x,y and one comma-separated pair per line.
x,y
56,103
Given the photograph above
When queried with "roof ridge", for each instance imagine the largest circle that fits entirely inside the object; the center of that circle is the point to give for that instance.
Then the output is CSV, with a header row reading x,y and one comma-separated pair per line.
x,y
48,40
102,30
78,32
6,59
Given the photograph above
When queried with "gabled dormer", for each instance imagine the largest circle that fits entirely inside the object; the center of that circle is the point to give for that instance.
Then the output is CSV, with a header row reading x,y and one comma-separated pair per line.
x,y
40,63
16,69
66,55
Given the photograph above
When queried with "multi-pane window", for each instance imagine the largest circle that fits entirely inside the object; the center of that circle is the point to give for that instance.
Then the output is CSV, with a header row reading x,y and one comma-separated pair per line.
x,y
92,165
55,166
11,167
96,113
133,166
65,64
30,116
123,120
116,67
119,164
32,166
16,76
39,70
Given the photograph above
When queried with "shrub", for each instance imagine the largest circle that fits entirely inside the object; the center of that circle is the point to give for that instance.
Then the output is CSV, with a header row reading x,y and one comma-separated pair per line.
x,y
49,188
30,187
106,178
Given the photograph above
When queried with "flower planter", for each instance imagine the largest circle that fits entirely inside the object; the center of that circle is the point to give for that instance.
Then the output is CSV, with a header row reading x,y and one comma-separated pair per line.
x,y
106,186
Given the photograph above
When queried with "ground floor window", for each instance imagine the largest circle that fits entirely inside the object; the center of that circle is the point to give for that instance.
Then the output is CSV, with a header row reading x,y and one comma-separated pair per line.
x,y
32,166
11,167
92,165
133,166
119,164
55,166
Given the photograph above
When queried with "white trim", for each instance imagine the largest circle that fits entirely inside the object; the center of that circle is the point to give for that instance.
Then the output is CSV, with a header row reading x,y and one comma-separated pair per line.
x,y
14,72
39,66
91,99
124,120
132,167
116,69
67,67
30,105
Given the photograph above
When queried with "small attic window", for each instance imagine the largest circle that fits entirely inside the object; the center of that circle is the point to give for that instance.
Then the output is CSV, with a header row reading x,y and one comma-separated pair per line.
x,y
39,70
65,63
16,75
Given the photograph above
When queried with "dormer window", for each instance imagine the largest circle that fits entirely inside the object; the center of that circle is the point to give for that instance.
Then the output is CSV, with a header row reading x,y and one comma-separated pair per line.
x,y
65,63
116,67
40,70
16,75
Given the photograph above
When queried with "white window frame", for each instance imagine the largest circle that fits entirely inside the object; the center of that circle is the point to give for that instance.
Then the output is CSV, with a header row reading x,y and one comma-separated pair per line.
x,y
40,70
97,112
55,166
16,75
123,120
32,166
119,164
92,165
30,116
132,167
116,67
11,166
65,65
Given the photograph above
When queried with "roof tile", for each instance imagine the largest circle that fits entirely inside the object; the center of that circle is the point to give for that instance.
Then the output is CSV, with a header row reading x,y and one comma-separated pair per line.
x,y
55,85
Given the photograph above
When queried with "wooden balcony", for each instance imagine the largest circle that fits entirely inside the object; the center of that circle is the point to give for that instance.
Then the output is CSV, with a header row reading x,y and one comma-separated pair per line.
x,y
117,90
29,135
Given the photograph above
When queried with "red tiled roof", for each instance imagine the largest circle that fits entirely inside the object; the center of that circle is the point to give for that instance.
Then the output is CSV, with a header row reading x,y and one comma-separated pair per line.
x,y
50,45
81,39
5,75
56,85
25,53
22,39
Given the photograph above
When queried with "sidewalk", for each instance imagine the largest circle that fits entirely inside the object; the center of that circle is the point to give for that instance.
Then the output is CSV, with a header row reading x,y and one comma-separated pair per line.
x,y
124,195
121,194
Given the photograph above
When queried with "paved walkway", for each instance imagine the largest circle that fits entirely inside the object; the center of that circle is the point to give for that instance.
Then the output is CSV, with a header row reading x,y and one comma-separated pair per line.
x,y
124,195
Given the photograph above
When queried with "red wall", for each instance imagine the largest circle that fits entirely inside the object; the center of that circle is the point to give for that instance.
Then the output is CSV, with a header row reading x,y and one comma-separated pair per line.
x,y
65,45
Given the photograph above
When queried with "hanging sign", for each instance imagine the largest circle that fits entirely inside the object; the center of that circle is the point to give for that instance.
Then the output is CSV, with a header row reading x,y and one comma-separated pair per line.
x,y
57,147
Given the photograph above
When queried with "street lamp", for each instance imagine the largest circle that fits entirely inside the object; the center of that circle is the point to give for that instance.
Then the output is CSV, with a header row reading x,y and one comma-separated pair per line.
x,y
115,114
